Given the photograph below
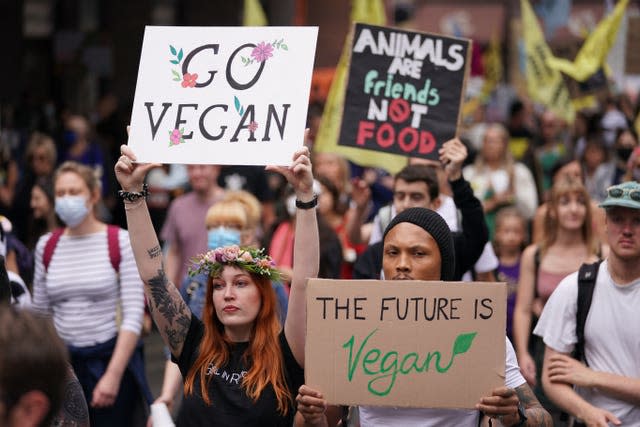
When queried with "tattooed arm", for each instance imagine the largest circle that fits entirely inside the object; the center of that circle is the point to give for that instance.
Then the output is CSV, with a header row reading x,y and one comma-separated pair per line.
x,y
503,405
169,312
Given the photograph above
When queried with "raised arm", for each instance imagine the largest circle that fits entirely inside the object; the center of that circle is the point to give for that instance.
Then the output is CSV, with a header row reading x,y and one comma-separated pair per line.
x,y
170,313
306,251
474,228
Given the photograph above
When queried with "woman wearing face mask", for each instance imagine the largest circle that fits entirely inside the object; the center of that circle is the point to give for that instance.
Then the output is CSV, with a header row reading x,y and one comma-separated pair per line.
x,y
626,148
76,283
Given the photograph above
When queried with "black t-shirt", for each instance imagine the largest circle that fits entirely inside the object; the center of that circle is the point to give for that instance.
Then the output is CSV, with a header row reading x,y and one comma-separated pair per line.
x,y
230,406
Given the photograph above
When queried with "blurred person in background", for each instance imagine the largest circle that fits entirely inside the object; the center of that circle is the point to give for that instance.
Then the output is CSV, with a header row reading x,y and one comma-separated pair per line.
x,y
182,230
337,215
548,150
509,242
8,179
626,142
598,170
567,168
499,181
281,242
44,219
33,369
40,159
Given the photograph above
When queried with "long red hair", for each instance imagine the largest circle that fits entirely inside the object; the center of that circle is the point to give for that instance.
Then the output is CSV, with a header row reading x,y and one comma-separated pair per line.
x,y
264,353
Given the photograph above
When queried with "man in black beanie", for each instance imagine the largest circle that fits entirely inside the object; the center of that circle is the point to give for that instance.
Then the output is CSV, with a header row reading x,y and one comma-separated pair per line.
x,y
417,245
404,233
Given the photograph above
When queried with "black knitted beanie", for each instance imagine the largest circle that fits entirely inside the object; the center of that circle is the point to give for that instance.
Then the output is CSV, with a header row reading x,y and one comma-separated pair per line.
x,y
432,223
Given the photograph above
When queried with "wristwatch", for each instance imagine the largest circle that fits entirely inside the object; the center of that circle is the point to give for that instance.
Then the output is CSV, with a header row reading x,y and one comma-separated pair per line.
x,y
522,414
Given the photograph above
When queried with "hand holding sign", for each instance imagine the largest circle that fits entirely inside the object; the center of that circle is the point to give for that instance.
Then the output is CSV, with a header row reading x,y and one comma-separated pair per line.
x,y
130,175
452,155
299,174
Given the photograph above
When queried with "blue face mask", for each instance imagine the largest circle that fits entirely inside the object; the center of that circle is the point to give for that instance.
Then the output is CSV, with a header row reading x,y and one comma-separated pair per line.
x,y
72,210
223,236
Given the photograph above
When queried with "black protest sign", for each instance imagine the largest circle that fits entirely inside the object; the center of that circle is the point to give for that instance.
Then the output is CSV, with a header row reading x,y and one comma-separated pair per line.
x,y
404,90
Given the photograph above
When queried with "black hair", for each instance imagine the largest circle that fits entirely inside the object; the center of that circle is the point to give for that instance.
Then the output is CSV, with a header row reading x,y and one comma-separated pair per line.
x,y
421,173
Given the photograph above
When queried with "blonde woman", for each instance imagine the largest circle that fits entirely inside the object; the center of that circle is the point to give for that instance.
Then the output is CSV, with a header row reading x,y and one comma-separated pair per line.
x,y
499,181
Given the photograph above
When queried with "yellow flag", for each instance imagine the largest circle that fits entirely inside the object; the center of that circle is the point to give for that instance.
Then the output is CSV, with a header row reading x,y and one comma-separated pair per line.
x,y
368,12
492,61
253,15
545,85
593,53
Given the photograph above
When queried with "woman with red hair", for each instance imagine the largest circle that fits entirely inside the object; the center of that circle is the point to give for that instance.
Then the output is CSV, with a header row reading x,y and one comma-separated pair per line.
x,y
239,367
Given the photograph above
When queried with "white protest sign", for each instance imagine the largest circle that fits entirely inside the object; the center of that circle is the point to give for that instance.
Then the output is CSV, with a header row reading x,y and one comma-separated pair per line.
x,y
222,95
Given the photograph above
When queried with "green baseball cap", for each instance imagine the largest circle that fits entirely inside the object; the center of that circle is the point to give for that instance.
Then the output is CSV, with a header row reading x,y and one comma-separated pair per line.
x,y
626,195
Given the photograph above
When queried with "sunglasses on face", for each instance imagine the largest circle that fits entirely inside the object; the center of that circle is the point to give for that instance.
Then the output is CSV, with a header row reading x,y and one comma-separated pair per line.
x,y
618,193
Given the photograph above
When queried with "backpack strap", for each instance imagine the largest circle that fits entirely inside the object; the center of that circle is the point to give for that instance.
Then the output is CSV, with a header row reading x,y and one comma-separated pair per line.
x,y
50,246
114,246
587,276
112,241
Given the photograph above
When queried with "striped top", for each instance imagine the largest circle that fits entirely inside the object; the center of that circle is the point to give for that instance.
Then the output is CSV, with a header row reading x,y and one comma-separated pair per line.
x,y
81,289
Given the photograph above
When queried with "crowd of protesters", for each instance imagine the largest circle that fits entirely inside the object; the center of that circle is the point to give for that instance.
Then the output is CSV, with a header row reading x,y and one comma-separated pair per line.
x,y
521,196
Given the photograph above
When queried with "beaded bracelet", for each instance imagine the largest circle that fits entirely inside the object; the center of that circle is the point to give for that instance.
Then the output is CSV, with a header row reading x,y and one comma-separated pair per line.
x,y
132,196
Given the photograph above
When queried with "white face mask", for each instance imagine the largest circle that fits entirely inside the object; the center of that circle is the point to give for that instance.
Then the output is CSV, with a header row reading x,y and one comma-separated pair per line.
x,y
72,210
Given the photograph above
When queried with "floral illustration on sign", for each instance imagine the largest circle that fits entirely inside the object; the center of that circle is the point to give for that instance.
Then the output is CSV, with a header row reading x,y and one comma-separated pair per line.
x,y
189,80
176,137
186,79
253,126
263,51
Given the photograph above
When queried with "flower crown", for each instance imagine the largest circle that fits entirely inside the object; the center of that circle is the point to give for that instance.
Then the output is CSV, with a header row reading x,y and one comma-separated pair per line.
x,y
252,260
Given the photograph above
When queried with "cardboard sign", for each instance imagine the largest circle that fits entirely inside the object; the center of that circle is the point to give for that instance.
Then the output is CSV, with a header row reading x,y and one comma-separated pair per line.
x,y
404,91
222,95
405,344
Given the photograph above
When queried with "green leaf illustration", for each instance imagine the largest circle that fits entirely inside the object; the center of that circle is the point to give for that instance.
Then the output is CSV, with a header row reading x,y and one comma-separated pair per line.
x,y
173,50
284,47
180,55
241,111
176,76
463,343
181,130
237,104
175,61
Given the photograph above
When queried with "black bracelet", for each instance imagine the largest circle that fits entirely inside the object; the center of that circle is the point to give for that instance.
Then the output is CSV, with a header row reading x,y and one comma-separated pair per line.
x,y
307,205
132,196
